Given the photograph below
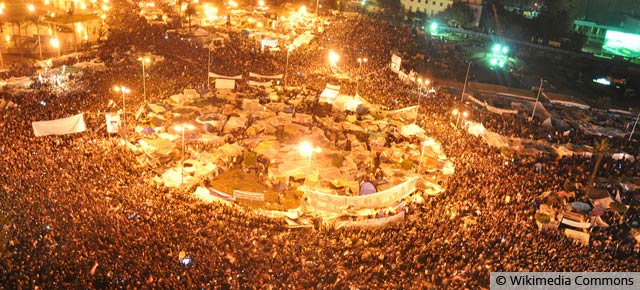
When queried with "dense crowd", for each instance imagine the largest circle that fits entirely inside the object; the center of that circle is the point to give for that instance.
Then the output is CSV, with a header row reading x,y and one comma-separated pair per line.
x,y
78,211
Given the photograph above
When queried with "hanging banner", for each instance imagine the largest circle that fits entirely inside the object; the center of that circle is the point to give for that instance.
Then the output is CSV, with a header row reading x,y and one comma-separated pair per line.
x,y
259,84
69,125
113,122
217,76
248,195
225,84
255,75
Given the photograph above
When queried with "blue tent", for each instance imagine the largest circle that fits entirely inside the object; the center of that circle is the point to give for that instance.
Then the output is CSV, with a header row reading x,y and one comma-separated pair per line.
x,y
367,188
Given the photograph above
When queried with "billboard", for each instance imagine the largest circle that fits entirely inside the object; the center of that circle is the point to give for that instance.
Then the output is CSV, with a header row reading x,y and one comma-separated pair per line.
x,y
622,44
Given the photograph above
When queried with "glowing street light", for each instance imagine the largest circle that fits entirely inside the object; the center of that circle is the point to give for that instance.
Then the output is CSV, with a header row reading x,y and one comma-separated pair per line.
x,y
333,58
55,43
144,60
183,128
302,10
306,150
464,114
32,9
124,90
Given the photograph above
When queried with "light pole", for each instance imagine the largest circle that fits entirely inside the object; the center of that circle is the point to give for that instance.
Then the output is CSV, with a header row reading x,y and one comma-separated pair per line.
x,y
458,113
317,4
464,87
1,58
634,127
306,149
55,43
144,60
124,90
286,66
333,58
183,128
537,98
426,83
360,61
32,9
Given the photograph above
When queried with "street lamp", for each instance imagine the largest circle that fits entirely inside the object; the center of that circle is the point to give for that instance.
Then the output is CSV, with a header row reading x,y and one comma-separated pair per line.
x,y
124,90
464,114
634,127
32,9
1,58
537,98
333,57
286,66
144,60
466,78
307,149
183,128
360,61
55,43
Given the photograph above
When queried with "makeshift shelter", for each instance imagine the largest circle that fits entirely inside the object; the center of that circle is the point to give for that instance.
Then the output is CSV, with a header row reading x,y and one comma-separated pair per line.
x,y
557,124
329,94
367,188
411,130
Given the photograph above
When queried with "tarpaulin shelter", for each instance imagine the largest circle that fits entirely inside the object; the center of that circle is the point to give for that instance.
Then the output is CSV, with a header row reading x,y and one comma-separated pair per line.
x,y
367,188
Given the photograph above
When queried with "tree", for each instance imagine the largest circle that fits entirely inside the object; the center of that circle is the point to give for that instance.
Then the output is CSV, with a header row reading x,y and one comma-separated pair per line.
x,y
459,13
602,148
190,11
555,18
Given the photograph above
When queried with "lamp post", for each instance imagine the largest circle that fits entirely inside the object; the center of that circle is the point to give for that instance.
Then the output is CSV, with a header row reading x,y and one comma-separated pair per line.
x,y
360,61
333,58
458,113
634,127
1,58
32,9
144,60
466,78
537,98
183,128
307,149
124,90
55,43
317,4
286,66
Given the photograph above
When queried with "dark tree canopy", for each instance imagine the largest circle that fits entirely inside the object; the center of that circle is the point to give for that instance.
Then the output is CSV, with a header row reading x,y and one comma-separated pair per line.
x,y
459,14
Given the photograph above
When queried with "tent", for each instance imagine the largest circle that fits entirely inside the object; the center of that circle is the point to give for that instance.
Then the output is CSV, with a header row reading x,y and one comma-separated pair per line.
x,y
556,124
411,130
367,188
231,149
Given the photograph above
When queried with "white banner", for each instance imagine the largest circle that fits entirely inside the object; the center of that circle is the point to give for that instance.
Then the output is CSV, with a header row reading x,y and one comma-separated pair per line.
x,y
269,42
372,223
576,224
335,203
225,84
248,195
395,63
217,76
259,84
255,75
577,236
113,122
73,124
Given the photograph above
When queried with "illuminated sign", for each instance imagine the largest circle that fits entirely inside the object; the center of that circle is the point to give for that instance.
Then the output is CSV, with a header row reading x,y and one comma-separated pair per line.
x,y
622,44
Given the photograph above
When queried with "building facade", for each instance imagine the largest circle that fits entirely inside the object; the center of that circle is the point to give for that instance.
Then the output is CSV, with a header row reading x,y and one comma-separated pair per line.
x,y
429,7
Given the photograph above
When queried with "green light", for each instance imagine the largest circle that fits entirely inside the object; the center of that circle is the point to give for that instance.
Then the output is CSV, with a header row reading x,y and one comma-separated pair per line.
x,y
505,49
496,48
493,62
501,63
622,44
433,26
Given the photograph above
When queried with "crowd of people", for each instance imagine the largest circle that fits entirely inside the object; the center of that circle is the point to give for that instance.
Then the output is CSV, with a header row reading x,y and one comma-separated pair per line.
x,y
78,211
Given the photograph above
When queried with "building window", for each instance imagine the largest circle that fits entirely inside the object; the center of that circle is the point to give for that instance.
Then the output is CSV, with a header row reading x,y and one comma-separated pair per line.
x,y
440,4
419,1
434,3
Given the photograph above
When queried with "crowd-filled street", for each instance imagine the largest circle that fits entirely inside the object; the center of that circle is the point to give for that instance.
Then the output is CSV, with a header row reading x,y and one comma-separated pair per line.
x,y
81,211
